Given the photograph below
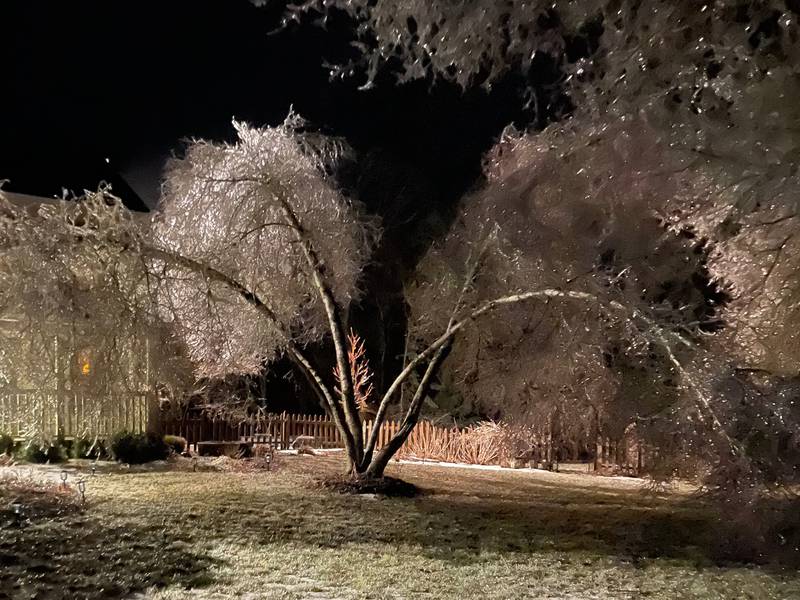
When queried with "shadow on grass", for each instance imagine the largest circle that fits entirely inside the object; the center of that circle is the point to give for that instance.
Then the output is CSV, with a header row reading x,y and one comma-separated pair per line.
x,y
606,527
461,529
445,526
75,557
158,526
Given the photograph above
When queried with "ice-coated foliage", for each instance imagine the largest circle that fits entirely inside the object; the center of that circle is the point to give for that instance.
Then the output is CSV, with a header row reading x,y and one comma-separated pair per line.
x,y
459,40
672,190
252,254
75,303
241,210
612,52
695,98
605,207
567,210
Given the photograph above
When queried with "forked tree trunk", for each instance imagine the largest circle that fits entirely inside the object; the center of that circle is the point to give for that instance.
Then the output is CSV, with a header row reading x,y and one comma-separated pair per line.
x,y
378,463
370,464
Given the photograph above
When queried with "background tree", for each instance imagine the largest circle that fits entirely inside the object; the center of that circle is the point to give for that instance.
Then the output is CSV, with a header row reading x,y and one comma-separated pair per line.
x,y
75,305
678,116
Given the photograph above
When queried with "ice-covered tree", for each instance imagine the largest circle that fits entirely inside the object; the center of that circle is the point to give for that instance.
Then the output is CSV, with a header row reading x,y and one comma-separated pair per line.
x,y
677,159
255,254
259,255
76,311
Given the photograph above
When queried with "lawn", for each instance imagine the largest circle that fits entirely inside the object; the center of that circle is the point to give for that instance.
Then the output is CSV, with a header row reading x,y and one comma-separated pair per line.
x,y
474,534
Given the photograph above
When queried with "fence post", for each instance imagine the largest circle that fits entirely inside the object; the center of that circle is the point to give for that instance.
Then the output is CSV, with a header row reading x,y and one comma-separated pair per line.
x,y
154,423
366,427
639,457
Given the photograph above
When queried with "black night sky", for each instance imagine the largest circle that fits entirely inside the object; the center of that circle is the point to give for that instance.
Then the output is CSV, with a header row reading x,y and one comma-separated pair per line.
x,y
126,81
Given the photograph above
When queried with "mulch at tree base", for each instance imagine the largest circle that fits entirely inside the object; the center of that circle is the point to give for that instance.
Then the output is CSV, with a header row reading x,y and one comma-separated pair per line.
x,y
383,486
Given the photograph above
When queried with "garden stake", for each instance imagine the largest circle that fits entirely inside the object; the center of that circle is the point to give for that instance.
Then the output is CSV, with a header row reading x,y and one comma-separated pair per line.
x,y
82,490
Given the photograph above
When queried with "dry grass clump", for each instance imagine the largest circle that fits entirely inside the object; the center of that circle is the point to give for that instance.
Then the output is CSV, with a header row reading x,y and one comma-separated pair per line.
x,y
24,497
481,444
485,443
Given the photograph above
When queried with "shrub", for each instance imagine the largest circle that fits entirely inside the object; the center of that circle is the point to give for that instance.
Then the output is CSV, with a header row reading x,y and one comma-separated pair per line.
x,y
176,443
484,443
138,448
34,452
88,448
759,528
6,443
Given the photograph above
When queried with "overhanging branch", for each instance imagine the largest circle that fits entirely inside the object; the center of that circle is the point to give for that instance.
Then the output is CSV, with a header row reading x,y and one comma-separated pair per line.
x,y
661,335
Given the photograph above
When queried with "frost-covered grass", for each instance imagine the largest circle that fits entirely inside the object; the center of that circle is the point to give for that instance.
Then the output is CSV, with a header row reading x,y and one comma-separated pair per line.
x,y
475,534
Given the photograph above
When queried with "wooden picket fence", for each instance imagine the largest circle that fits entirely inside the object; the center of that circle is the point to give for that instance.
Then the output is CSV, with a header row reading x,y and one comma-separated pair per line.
x,y
628,455
427,441
278,430
26,413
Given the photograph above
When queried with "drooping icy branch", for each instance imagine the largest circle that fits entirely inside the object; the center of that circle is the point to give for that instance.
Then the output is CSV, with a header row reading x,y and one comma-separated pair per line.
x,y
253,210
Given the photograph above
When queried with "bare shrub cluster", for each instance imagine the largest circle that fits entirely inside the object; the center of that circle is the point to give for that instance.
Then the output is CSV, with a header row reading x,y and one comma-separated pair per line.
x,y
484,443
24,497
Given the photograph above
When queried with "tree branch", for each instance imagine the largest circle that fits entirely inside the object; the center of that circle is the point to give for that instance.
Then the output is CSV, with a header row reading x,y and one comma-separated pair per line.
x,y
376,467
383,407
663,336
252,298
346,395
481,310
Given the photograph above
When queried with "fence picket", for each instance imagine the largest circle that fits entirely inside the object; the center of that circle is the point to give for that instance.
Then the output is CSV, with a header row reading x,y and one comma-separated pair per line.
x,y
27,412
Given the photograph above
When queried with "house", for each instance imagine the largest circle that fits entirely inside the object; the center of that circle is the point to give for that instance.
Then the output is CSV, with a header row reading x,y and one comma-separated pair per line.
x,y
59,376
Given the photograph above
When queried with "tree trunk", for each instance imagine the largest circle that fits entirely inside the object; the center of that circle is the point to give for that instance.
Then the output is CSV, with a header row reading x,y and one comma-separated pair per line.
x,y
352,467
378,464
381,460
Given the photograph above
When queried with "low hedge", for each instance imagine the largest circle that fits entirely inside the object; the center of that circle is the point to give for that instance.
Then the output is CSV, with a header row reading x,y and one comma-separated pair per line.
x,y
138,448
6,443
57,451
91,448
